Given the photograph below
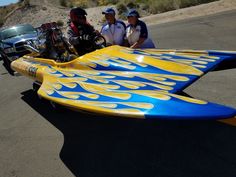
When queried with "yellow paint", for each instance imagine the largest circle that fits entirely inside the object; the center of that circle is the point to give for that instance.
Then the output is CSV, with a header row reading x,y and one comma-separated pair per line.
x,y
96,107
76,95
162,64
152,94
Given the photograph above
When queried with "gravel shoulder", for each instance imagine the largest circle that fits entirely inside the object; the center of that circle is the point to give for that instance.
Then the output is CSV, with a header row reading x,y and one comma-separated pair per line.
x,y
190,12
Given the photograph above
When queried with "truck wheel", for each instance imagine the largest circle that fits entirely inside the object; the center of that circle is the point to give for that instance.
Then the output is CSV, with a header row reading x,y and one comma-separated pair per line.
x,y
7,65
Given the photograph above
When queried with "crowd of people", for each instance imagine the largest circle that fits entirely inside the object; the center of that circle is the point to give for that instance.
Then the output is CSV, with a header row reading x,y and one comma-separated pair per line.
x,y
115,32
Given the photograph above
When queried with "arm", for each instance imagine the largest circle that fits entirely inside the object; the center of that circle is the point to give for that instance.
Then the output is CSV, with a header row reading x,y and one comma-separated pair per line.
x,y
138,43
143,36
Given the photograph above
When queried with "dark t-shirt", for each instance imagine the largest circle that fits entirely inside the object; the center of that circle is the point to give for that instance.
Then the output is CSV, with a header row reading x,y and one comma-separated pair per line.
x,y
81,46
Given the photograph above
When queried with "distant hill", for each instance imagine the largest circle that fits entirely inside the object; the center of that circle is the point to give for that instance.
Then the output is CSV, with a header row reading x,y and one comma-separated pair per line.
x,y
38,12
5,11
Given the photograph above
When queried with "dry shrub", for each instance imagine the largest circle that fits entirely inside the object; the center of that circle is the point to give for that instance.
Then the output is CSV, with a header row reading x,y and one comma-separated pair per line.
x,y
60,23
150,6
121,8
63,3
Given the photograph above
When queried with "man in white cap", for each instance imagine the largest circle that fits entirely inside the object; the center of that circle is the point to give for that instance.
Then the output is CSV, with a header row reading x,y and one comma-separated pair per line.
x,y
114,30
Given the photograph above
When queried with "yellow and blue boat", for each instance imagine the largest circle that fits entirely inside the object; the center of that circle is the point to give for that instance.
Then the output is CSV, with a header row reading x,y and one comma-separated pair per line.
x,y
126,82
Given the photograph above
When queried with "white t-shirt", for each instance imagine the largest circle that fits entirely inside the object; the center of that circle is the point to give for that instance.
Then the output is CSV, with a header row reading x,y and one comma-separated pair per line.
x,y
114,33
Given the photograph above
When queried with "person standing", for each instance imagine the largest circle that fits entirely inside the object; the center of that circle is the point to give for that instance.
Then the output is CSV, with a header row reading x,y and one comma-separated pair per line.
x,y
113,30
136,32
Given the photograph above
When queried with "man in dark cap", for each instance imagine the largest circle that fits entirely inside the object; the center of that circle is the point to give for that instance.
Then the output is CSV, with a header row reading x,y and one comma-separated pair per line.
x,y
136,32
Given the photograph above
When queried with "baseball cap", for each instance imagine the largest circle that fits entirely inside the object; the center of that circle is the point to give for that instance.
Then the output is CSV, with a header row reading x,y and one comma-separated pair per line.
x,y
133,13
109,11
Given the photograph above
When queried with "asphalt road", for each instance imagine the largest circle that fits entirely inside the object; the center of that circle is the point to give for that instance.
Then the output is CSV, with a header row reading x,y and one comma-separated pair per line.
x,y
35,141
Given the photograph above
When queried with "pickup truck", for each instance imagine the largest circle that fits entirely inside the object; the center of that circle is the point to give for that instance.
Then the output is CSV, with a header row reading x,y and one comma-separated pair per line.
x,y
12,41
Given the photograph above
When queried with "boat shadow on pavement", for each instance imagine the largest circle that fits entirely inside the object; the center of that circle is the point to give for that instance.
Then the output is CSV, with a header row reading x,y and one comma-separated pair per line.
x,y
95,146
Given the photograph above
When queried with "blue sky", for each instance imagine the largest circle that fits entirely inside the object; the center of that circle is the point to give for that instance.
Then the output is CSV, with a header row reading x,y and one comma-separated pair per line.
x,y
6,2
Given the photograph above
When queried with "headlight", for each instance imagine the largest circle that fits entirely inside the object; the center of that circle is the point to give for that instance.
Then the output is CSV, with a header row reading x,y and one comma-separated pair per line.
x,y
9,50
